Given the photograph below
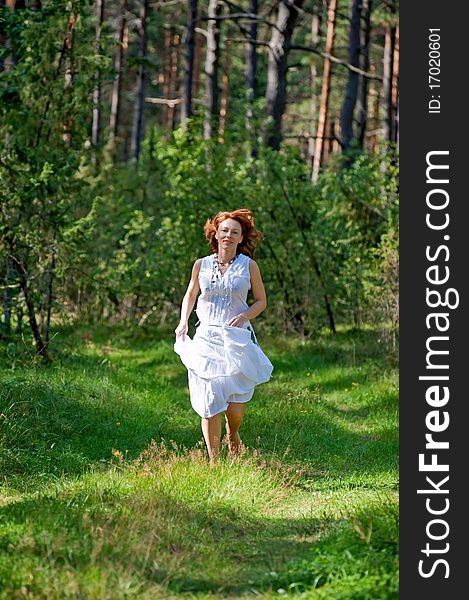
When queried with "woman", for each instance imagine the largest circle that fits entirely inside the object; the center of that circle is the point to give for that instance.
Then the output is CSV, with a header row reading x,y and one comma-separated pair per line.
x,y
224,363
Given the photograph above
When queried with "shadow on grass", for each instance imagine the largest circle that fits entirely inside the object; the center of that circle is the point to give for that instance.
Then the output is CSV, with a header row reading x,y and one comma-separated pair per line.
x,y
51,426
347,348
155,538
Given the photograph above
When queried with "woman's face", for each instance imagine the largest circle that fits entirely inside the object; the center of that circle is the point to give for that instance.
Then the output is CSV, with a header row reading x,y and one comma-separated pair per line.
x,y
229,234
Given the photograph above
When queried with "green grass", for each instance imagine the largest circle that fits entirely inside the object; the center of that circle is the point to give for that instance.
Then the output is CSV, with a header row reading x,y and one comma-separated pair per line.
x,y
106,492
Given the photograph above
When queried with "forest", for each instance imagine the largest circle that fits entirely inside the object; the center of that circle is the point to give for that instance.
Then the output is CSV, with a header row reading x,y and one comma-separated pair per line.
x,y
124,126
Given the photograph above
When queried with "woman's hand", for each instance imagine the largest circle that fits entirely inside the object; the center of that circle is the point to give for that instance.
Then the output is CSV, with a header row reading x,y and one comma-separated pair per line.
x,y
237,321
181,330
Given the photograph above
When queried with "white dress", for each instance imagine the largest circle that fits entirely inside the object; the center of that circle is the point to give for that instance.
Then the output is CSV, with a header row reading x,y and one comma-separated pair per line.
x,y
224,363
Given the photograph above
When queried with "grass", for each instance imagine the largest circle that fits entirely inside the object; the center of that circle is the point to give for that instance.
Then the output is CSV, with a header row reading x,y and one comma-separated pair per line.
x,y
106,492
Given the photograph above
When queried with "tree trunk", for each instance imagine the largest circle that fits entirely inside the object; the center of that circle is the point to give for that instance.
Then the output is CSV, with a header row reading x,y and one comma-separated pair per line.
x,y
187,112
118,70
211,69
173,79
315,33
137,130
351,92
197,61
251,77
95,129
387,106
19,318
67,124
275,97
3,41
23,278
373,116
395,90
225,91
336,134
362,100
168,35
326,85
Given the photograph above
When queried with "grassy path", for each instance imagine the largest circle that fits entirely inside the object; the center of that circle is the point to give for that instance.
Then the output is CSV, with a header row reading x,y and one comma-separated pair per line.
x,y
106,492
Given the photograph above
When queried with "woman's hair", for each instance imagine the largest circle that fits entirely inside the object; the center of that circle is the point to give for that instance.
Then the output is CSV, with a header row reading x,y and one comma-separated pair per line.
x,y
251,235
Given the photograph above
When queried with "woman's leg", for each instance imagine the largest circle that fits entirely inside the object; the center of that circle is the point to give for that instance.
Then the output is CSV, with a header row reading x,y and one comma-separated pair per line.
x,y
211,429
234,417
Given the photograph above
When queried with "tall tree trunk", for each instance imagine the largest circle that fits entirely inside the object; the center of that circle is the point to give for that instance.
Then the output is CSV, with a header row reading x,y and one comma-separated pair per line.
x,y
137,130
225,92
168,36
187,111
362,100
336,135
96,125
275,96
3,41
211,69
351,92
326,86
325,145
388,56
315,33
173,79
373,115
395,90
197,61
251,77
67,124
118,70
19,318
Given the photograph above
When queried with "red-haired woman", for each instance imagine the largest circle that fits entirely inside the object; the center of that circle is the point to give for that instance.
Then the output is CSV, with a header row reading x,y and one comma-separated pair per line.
x,y
224,360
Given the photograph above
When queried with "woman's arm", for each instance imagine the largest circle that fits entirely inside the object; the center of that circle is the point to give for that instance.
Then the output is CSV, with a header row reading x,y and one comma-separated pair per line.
x,y
189,300
258,292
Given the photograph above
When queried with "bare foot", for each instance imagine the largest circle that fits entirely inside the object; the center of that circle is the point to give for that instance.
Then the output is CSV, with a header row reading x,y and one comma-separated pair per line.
x,y
234,445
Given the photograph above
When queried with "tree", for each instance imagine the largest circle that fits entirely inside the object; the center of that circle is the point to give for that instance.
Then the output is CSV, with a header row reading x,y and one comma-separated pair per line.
x,y
118,74
388,108
275,95
251,76
211,68
40,150
315,34
326,86
362,99
137,131
351,94
68,121
187,110
96,125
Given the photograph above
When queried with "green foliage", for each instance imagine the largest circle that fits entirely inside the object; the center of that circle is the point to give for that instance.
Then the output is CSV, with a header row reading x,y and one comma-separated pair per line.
x,y
39,190
359,205
319,241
